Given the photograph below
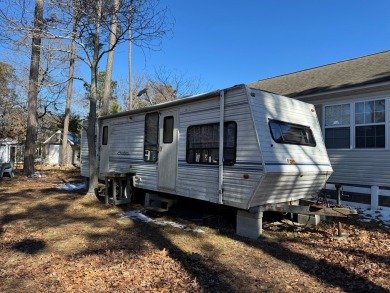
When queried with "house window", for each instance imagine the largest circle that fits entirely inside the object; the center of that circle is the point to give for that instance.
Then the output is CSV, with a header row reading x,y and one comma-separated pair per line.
x,y
203,144
370,124
337,126
168,129
105,135
284,132
151,137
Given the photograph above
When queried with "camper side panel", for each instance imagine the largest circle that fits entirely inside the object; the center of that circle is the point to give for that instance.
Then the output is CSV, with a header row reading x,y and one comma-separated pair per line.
x,y
126,150
198,181
201,180
241,179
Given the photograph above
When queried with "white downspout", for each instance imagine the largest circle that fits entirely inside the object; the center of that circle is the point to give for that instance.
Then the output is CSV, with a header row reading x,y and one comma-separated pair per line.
x,y
221,135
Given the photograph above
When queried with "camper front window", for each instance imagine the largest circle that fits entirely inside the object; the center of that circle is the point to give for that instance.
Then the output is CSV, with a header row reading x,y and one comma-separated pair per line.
x,y
289,133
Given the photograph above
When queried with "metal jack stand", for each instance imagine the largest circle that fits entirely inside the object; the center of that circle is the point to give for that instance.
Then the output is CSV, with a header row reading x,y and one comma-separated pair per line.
x,y
340,234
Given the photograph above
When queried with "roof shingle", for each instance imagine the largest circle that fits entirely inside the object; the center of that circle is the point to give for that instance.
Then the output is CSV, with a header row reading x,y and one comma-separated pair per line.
x,y
356,72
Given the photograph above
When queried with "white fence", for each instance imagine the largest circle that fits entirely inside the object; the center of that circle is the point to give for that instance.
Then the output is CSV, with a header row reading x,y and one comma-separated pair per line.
x,y
374,191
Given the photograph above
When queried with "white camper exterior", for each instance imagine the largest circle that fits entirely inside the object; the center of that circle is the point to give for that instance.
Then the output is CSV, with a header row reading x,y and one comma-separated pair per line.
x,y
239,147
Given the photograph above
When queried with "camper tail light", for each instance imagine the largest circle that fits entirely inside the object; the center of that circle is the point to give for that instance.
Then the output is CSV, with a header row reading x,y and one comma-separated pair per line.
x,y
291,161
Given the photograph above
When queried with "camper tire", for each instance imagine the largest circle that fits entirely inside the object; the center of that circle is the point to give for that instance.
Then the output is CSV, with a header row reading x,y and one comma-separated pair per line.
x,y
100,192
123,196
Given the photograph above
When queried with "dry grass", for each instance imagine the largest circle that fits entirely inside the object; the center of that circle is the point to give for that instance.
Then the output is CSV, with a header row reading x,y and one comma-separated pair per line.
x,y
61,241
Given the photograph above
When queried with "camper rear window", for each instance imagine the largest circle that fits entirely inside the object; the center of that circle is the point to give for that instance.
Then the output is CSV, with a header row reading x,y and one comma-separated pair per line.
x,y
284,132
203,144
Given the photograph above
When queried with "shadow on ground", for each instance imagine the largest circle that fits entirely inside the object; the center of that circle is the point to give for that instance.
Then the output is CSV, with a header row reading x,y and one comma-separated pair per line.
x,y
211,275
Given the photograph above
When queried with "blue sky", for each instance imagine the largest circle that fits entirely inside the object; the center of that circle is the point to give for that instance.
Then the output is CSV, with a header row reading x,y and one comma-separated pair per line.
x,y
230,42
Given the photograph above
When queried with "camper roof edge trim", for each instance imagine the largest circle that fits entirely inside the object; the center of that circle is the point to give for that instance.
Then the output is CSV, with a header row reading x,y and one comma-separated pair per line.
x,y
171,103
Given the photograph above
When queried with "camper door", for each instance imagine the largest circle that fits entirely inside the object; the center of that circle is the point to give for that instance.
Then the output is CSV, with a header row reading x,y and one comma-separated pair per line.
x,y
104,148
167,166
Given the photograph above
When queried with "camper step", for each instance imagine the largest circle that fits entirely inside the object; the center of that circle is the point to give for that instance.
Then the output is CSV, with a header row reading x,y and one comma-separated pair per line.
x,y
156,209
158,203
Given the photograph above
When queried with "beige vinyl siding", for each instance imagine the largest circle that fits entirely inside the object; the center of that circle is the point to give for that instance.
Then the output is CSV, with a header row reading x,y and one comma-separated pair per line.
x,y
370,166
363,167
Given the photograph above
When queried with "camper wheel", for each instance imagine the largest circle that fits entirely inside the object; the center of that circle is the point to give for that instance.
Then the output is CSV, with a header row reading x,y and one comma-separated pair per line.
x,y
122,191
100,192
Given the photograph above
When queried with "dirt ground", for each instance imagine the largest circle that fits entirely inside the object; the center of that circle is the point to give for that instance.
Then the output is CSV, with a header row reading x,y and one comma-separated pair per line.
x,y
62,241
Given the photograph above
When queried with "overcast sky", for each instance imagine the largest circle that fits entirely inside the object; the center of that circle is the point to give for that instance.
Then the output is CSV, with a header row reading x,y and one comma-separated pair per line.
x,y
230,42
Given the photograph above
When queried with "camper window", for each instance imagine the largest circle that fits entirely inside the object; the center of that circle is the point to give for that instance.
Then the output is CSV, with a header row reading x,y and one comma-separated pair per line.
x,y
151,137
105,135
168,130
284,132
203,144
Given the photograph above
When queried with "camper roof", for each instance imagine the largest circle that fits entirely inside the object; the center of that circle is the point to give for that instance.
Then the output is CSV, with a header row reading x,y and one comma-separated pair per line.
x,y
173,103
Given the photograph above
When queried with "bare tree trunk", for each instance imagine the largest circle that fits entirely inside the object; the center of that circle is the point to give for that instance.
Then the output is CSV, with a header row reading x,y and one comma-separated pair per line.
x,y
32,119
91,131
65,161
110,60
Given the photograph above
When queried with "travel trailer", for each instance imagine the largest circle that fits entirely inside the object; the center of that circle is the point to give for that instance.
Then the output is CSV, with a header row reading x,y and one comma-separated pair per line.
x,y
239,147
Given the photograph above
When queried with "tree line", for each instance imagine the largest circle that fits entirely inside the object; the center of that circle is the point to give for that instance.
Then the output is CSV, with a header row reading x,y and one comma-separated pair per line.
x,y
54,36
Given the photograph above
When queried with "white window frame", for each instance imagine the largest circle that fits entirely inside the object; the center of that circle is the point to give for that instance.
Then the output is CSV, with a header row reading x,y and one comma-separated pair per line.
x,y
351,112
353,125
370,124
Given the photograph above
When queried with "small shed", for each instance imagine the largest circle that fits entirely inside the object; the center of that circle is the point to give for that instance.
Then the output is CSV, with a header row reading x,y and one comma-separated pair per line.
x,y
7,150
53,149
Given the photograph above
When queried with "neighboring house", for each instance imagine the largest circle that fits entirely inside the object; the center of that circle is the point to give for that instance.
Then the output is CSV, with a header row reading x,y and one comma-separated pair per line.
x,y
352,101
8,148
53,149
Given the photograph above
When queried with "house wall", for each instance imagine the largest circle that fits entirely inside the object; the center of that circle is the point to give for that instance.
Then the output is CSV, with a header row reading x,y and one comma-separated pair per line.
x,y
8,151
84,156
357,166
4,153
53,154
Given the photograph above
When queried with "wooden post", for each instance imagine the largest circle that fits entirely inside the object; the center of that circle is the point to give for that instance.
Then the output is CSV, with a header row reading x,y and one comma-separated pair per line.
x,y
374,198
338,189
106,190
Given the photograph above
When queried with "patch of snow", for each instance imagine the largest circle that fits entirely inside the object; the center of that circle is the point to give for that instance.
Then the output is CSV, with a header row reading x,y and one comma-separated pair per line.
x,y
72,186
380,215
138,215
37,175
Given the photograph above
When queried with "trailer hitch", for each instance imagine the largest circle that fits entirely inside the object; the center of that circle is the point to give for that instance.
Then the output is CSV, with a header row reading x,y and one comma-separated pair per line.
x,y
311,209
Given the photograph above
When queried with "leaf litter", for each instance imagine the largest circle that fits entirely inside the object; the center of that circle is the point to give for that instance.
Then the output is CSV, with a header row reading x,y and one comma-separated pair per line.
x,y
63,241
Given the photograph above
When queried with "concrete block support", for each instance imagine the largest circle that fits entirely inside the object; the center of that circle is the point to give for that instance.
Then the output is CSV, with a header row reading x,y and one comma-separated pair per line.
x,y
312,220
249,225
